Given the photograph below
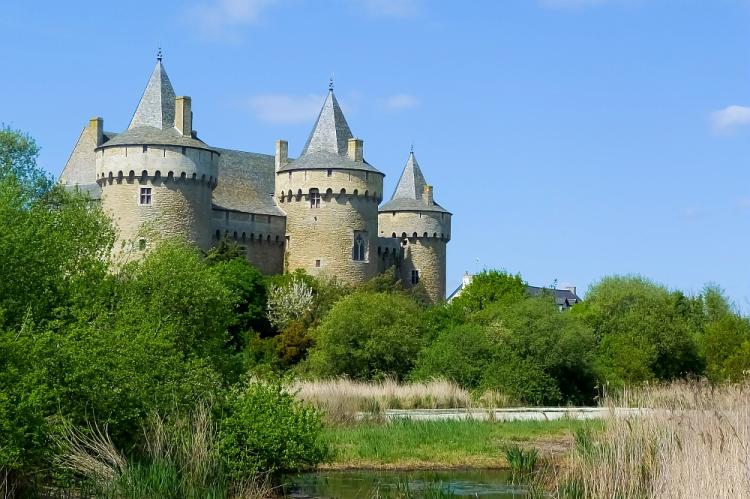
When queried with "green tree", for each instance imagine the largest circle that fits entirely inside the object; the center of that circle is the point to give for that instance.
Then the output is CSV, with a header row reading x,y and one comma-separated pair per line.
x,y
642,330
368,336
490,287
18,155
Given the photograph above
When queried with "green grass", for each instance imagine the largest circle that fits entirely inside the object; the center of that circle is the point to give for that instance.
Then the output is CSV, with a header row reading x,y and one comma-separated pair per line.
x,y
421,444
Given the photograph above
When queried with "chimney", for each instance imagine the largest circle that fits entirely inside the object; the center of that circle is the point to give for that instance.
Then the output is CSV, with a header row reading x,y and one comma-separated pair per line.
x,y
97,127
354,149
570,288
183,116
466,280
282,153
428,195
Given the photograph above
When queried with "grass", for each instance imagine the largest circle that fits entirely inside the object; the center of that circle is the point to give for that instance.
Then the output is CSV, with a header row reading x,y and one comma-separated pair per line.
x,y
692,439
410,444
343,399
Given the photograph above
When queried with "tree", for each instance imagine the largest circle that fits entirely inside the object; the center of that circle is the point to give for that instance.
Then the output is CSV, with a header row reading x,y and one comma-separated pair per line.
x,y
642,330
18,155
368,336
489,287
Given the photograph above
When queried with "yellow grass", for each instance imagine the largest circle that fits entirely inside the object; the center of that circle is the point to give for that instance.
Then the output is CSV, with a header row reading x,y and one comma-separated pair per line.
x,y
342,399
691,440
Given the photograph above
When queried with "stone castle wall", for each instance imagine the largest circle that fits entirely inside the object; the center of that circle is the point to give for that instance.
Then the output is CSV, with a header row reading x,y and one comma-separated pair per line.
x,y
261,236
423,236
320,239
181,182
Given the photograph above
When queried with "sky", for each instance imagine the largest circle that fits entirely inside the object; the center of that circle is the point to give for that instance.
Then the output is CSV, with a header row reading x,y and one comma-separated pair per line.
x,y
571,139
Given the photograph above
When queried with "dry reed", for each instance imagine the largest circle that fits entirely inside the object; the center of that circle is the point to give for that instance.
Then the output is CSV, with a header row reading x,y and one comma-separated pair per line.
x,y
690,439
342,400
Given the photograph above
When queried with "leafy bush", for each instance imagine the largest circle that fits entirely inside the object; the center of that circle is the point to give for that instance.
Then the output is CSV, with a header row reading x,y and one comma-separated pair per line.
x,y
368,336
267,430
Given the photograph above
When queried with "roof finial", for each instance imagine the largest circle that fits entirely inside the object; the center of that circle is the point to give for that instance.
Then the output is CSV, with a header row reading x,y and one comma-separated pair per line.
x,y
158,55
411,148
330,83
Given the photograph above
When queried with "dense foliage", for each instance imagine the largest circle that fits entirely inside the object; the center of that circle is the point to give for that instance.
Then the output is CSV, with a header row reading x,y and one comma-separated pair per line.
x,y
85,343
268,431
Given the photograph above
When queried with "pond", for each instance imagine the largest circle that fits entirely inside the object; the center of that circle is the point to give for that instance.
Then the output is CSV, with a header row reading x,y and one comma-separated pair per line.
x,y
487,484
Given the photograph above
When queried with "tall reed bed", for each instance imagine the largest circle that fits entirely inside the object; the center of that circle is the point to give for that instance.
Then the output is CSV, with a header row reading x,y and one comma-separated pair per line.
x,y
180,462
690,439
342,399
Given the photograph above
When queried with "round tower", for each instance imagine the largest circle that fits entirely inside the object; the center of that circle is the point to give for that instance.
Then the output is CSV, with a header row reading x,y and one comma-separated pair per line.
x,y
330,195
423,228
156,177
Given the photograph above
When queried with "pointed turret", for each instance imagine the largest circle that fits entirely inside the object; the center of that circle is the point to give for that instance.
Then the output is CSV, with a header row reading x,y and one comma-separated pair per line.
x,y
331,132
412,192
157,105
422,227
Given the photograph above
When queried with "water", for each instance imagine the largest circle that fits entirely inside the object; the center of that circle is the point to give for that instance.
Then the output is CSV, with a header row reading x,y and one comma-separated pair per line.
x,y
486,484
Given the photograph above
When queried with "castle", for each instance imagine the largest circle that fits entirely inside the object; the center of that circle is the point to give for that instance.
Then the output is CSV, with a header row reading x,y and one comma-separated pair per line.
x,y
319,212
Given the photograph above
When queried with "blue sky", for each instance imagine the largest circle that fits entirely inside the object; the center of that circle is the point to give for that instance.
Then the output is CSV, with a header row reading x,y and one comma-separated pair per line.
x,y
572,139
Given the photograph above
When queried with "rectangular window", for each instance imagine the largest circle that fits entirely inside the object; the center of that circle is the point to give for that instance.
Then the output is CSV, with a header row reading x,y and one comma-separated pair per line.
x,y
142,244
317,263
314,198
414,277
359,248
145,197
145,148
330,172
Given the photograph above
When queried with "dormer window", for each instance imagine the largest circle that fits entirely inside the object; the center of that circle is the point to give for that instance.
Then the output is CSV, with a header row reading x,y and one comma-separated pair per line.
x,y
314,198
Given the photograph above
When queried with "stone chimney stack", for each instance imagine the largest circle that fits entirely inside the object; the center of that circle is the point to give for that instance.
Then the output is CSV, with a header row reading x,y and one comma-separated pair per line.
x,y
183,116
354,149
428,195
282,153
97,128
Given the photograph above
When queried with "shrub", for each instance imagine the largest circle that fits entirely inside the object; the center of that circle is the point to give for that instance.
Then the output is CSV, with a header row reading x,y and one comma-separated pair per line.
x,y
267,430
368,336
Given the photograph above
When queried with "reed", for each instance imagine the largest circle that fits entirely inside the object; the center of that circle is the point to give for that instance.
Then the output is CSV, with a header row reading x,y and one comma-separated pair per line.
x,y
689,439
342,400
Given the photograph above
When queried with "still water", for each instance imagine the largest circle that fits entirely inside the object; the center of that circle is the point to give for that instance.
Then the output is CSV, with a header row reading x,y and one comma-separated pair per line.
x,y
487,484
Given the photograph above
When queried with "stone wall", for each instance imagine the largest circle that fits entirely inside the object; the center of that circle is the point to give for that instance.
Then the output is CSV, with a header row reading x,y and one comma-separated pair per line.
x,y
423,237
320,239
181,182
262,236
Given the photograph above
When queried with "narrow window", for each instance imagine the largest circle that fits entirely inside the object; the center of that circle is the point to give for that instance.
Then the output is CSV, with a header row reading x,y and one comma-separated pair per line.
x,y
359,249
330,172
142,244
145,148
145,197
314,198
414,277
218,234
184,150
317,263
269,219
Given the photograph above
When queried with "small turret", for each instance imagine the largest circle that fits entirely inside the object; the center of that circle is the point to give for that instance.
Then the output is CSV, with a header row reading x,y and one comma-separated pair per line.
x,y
423,228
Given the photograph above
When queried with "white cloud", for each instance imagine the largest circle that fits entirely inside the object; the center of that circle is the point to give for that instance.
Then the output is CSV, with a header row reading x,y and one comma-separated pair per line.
x,y
286,108
571,4
400,101
222,18
728,119
391,8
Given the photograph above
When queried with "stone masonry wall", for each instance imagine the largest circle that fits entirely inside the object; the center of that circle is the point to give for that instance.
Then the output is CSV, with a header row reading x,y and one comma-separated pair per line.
x,y
262,236
320,240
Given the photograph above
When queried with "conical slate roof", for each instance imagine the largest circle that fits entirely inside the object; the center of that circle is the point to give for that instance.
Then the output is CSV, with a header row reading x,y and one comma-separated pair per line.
x,y
153,121
156,108
331,132
409,192
327,145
